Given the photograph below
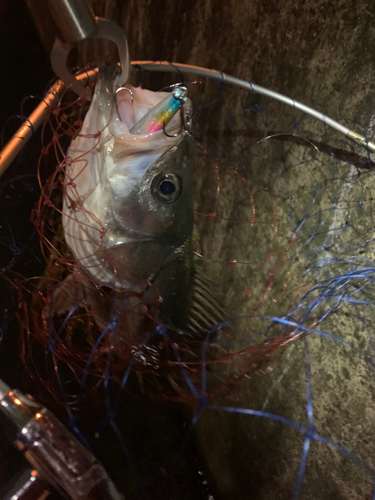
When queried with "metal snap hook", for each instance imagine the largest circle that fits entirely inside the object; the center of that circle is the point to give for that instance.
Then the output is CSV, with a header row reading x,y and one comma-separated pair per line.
x,y
105,29
181,128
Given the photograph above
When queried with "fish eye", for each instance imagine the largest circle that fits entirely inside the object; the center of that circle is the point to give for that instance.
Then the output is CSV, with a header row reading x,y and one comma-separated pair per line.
x,y
167,188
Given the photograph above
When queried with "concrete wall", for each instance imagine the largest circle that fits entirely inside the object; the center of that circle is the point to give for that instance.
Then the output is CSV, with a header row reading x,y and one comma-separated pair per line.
x,y
320,53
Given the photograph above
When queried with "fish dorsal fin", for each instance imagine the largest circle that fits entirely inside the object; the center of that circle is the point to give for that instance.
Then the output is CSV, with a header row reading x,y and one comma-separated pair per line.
x,y
206,309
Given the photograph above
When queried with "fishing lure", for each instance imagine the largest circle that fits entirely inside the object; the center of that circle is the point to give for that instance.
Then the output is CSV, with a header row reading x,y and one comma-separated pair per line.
x,y
159,116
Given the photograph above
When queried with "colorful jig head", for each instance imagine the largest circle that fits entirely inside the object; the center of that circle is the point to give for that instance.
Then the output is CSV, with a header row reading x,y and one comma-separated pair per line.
x,y
161,114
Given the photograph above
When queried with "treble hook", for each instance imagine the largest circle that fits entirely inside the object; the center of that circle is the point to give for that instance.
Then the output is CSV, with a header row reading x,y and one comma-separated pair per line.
x,y
181,128
180,95
122,87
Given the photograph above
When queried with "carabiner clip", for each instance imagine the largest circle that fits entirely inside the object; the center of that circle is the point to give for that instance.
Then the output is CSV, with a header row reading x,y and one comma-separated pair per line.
x,y
76,22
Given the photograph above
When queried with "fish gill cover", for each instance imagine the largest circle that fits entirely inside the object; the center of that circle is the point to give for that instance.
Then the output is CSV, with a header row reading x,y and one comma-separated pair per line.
x,y
280,390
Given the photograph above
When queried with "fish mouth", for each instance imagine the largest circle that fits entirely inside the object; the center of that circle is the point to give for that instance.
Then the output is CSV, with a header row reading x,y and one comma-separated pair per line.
x,y
107,162
135,115
145,113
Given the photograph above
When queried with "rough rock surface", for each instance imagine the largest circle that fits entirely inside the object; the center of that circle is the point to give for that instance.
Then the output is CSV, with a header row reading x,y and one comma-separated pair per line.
x,y
320,53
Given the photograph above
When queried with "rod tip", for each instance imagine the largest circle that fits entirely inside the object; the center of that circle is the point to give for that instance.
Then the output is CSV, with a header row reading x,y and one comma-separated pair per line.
x,y
4,389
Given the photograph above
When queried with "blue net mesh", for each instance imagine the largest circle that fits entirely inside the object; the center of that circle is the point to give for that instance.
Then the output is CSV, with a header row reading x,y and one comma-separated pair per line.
x,y
280,393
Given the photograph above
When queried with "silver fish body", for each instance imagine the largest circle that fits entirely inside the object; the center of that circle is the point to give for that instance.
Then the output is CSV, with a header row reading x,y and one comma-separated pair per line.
x,y
128,202
152,232
107,199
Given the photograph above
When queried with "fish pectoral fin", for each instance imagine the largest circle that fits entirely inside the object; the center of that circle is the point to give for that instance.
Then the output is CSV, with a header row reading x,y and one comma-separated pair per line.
x,y
72,291
206,309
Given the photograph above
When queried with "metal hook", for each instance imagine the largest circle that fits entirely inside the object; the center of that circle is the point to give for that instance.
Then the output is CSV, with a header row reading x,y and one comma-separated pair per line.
x,y
122,87
182,125
104,29
185,124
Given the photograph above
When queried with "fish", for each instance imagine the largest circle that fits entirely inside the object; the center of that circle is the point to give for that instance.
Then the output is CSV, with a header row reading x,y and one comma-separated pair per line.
x,y
128,213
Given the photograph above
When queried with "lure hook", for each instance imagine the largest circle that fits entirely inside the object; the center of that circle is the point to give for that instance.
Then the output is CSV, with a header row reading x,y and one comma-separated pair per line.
x,y
122,87
181,128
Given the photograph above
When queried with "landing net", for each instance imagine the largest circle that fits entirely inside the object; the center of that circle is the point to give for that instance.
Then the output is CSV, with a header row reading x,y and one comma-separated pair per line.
x,y
282,390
